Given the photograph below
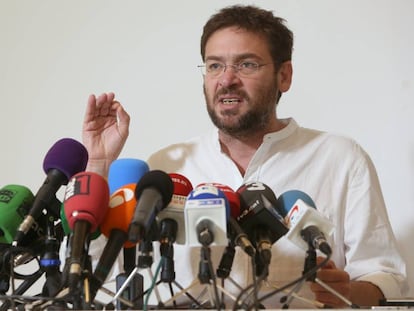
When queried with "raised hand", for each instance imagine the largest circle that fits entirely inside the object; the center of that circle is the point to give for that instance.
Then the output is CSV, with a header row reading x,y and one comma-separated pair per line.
x,y
105,130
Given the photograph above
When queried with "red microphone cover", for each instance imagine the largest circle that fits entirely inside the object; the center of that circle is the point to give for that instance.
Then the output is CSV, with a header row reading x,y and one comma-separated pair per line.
x,y
121,209
182,186
86,198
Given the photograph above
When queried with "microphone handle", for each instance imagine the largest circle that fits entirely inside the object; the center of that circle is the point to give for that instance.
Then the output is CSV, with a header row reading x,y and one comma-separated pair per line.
x,y
224,268
81,230
108,257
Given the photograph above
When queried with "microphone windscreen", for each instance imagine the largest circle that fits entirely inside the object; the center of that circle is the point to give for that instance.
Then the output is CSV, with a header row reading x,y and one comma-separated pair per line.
x,y
86,198
15,201
121,209
66,155
124,172
288,199
65,225
159,180
182,186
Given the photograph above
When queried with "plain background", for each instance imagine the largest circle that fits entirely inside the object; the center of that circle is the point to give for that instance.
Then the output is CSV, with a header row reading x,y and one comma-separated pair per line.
x,y
353,75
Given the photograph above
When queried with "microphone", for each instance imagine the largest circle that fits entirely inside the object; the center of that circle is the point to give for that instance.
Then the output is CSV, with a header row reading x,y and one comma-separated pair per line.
x,y
68,231
261,219
259,208
153,192
125,171
15,202
172,225
175,209
206,209
235,233
123,177
86,203
115,227
308,227
64,159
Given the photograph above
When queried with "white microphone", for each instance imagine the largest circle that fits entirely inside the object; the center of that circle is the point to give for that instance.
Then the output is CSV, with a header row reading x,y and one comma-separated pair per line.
x,y
205,213
308,227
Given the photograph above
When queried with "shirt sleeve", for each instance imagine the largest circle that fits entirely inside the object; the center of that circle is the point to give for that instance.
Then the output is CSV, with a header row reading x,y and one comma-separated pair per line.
x,y
371,250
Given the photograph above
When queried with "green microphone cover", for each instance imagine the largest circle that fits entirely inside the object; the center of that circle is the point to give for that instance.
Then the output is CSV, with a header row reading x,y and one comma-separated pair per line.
x,y
15,201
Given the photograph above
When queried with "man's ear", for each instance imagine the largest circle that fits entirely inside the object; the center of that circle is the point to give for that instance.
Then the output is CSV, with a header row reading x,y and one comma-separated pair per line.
x,y
284,76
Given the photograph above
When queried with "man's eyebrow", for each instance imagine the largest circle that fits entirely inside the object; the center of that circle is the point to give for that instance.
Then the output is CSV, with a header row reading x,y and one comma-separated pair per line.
x,y
236,58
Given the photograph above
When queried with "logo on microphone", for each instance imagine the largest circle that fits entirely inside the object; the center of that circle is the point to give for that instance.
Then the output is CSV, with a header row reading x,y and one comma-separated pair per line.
x,y
78,184
6,195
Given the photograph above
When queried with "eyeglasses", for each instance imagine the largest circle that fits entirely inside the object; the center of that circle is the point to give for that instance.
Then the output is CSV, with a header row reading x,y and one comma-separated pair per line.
x,y
215,69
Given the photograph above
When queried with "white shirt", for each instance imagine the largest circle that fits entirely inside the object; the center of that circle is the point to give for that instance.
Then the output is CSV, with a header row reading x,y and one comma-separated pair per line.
x,y
333,170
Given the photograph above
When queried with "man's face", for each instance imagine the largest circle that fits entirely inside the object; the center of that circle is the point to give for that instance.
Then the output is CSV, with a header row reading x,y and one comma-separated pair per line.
x,y
240,103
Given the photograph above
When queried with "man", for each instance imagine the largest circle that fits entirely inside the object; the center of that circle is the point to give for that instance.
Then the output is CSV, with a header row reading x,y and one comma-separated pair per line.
x,y
247,62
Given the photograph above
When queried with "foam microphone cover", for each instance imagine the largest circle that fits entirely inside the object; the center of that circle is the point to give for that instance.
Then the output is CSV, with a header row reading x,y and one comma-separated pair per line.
x,y
86,198
158,180
122,204
67,156
125,171
67,230
153,192
182,186
15,201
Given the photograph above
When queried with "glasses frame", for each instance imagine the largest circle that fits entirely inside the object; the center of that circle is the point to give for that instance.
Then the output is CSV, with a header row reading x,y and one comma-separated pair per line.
x,y
236,67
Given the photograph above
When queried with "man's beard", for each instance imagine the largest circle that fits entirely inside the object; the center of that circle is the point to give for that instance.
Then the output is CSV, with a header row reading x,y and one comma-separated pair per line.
x,y
254,120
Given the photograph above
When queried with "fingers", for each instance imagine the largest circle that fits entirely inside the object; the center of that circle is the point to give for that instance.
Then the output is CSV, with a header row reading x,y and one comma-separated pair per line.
x,y
124,120
104,105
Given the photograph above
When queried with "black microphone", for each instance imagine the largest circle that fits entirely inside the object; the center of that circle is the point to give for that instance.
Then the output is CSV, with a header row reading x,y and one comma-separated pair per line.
x,y
260,217
63,160
153,193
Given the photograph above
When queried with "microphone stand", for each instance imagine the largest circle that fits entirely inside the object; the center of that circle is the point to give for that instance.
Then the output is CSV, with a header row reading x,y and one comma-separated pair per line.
x,y
133,292
168,234
49,264
145,261
224,268
206,274
309,264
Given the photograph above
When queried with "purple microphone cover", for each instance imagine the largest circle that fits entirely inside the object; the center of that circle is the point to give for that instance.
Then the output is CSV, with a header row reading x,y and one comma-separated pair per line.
x,y
66,155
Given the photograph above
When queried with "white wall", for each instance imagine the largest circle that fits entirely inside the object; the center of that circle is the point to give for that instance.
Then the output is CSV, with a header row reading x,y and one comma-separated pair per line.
x,y
353,74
